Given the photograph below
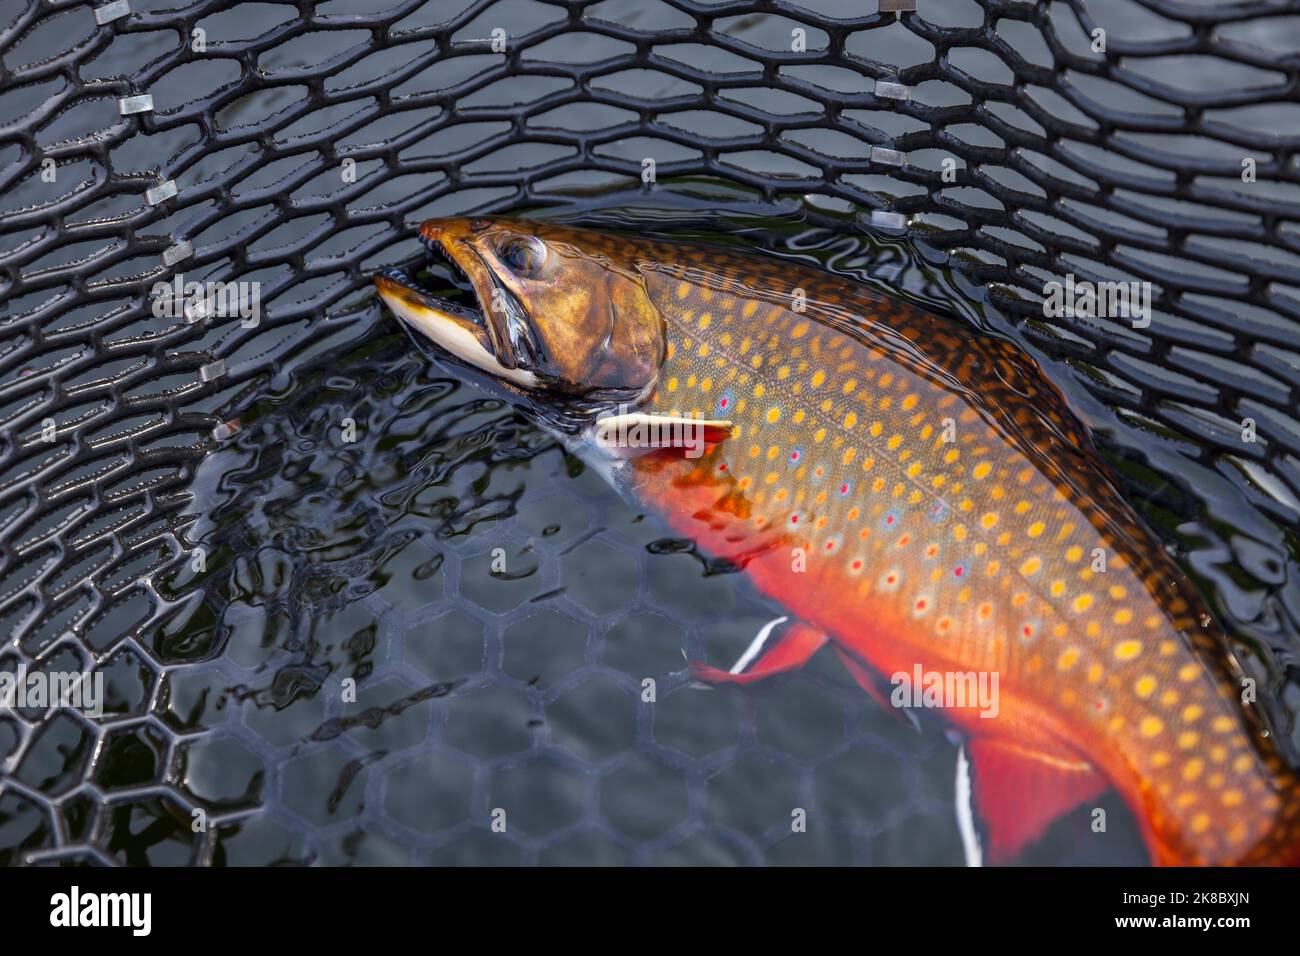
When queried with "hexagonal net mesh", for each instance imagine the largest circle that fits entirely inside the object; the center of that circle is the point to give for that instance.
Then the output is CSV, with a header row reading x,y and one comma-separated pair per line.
x,y
295,145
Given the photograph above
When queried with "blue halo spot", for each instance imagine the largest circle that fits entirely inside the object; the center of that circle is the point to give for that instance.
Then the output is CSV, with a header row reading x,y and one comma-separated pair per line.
x,y
795,458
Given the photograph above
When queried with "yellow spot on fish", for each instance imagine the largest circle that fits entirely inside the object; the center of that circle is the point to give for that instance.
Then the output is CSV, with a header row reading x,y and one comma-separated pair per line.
x,y
1150,726
1073,553
850,420
1083,602
1068,658
1192,713
989,520
1192,769
1145,686
1036,529
818,379
1127,650
1123,616
981,470
773,415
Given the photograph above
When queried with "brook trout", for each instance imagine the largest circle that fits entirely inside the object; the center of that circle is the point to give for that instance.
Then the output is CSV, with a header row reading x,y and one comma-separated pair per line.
x,y
918,496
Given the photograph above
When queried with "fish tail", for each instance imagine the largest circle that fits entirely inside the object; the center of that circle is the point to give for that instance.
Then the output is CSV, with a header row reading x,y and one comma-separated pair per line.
x,y
1281,844
1286,829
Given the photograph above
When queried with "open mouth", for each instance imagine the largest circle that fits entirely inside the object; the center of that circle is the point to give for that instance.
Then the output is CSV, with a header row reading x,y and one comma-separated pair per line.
x,y
442,302
442,283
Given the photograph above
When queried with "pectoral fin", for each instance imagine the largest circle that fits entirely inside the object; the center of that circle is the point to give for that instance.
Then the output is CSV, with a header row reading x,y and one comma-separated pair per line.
x,y
638,433
1019,789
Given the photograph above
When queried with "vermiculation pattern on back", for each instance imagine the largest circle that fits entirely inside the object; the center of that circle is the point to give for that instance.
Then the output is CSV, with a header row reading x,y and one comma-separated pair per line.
x,y
937,480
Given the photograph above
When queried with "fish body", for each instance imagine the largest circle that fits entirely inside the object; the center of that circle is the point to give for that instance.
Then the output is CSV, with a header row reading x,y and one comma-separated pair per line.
x,y
920,497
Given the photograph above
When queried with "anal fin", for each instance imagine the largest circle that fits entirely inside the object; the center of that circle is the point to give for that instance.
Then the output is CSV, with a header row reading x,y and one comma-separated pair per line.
x,y
1020,787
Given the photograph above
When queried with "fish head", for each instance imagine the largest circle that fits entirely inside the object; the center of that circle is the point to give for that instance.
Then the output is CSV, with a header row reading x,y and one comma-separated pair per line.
x,y
554,313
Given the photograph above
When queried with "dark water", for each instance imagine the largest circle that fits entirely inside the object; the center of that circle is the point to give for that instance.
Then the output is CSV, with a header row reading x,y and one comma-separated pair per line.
x,y
519,690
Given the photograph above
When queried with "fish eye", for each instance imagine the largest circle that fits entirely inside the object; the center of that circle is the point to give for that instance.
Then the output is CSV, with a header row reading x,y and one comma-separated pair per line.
x,y
523,255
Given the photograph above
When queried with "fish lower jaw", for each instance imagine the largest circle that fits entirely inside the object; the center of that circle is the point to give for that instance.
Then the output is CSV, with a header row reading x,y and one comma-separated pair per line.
x,y
454,335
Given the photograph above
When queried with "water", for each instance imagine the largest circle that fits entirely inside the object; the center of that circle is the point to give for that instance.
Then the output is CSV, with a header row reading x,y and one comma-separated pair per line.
x,y
520,691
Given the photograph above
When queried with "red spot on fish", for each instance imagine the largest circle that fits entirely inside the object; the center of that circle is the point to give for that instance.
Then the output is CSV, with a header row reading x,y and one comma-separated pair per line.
x,y
959,570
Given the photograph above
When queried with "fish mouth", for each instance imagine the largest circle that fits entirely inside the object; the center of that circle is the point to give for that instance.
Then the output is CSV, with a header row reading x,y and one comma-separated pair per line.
x,y
443,302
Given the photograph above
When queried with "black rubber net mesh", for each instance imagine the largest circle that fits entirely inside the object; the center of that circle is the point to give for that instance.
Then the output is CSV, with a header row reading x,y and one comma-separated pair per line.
x,y
296,144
